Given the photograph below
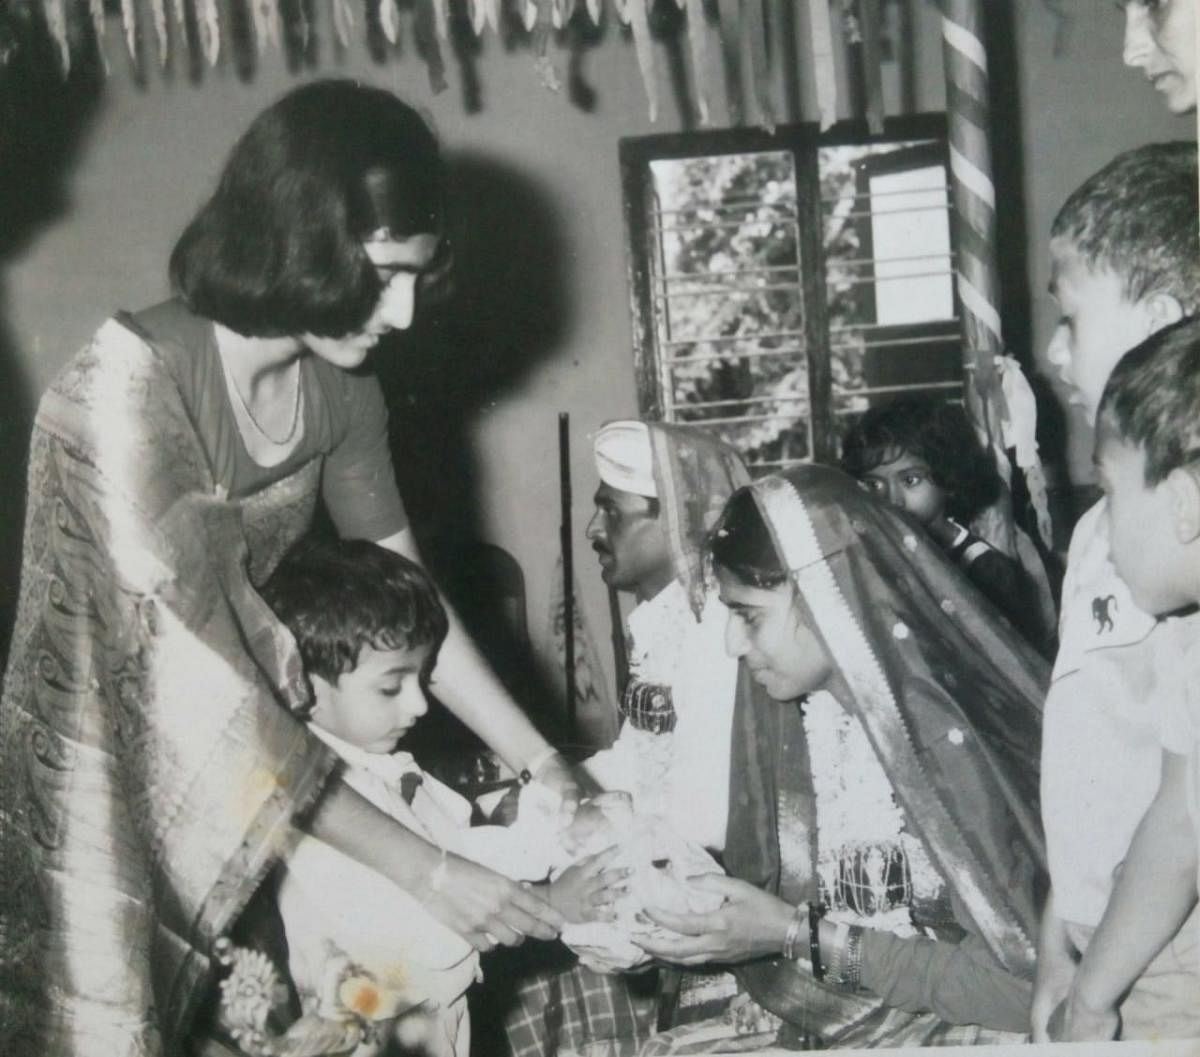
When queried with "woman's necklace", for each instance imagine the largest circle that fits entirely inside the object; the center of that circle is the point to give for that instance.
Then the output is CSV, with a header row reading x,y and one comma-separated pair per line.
x,y
288,437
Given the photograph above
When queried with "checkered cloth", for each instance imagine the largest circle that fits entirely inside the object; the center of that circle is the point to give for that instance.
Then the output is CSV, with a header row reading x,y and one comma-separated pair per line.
x,y
582,1013
721,1035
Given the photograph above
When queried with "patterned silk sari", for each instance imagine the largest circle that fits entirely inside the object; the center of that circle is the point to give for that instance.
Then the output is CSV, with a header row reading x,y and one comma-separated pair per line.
x,y
950,700
149,766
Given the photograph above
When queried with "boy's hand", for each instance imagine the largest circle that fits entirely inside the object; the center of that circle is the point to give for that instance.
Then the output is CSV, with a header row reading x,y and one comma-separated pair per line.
x,y
1055,972
587,890
1073,1021
487,909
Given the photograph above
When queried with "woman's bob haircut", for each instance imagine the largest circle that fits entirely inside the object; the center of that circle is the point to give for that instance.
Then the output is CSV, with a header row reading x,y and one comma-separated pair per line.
x,y
278,249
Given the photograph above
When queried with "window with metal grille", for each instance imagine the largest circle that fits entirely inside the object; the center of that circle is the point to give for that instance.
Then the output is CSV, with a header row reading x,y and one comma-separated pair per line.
x,y
783,283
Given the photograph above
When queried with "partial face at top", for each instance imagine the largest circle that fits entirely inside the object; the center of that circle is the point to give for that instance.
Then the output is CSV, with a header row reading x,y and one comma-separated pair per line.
x,y
1160,40
1097,324
767,630
907,482
374,705
629,542
1144,526
400,263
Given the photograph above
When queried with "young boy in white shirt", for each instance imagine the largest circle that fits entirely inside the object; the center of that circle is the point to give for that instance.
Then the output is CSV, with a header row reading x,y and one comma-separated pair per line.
x,y
1125,258
1148,459
368,624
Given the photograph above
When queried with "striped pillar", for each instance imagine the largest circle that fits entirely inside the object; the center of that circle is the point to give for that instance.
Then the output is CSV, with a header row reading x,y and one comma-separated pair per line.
x,y
974,198
973,192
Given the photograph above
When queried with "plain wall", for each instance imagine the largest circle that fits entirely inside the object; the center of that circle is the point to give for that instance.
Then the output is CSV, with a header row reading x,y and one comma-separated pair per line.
x,y
1081,109
549,330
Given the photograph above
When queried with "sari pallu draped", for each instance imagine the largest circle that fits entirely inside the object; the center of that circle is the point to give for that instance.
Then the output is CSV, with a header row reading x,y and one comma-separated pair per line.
x,y
149,764
950,699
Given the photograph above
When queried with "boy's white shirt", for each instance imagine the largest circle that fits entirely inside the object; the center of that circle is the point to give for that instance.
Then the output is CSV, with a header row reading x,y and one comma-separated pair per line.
x,y
1180,727
524,851
1101,756
682,776
334,908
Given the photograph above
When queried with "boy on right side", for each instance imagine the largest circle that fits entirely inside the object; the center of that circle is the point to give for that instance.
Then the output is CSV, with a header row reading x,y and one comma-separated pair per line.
x,y
1125,254
1148,458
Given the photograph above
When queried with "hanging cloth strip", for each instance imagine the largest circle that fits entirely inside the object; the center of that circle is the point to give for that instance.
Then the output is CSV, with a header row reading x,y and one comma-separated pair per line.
x,y
389,20
754,18
427,45
824,71
267,26
343,21
96,11
210,29
636,15
441,20
731,61
56,22
129,19
159,15
561,12
543,30
698,44
869,19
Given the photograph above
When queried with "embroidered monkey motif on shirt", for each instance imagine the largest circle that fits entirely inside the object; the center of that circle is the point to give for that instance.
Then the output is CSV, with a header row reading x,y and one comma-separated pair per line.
x,y
1101,612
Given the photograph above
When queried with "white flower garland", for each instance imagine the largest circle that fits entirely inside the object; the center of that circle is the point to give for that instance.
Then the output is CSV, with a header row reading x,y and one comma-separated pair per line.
x,y
857,814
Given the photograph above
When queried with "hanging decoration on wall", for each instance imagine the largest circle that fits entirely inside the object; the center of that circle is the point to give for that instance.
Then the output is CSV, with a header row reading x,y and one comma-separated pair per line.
x,y
744,28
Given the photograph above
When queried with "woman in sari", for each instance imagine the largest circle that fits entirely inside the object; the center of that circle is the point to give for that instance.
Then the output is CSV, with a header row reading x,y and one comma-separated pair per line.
x,y
884,848
148,774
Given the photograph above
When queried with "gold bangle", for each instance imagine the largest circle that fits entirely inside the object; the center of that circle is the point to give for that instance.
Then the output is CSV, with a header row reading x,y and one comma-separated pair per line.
x,y
795,930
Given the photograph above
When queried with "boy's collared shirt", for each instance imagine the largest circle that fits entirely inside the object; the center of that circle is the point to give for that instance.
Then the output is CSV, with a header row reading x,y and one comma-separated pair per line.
x,y
1179,729
1100,744
442,816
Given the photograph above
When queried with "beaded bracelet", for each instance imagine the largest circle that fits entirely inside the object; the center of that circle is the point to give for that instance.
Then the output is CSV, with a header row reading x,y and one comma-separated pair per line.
x,y
852,971
836,966
529,773
816,911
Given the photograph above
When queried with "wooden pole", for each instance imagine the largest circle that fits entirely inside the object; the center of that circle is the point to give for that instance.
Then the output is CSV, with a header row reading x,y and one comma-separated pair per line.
x,y
568,560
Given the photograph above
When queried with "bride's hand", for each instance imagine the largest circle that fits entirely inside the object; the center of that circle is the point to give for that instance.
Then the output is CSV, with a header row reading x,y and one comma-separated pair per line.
x,y
750,923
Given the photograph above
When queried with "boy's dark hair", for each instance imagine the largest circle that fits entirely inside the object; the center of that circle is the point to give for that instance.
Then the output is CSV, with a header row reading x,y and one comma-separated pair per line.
x,y
935,431
1139,218
336,596
278,249
741,543
1152,399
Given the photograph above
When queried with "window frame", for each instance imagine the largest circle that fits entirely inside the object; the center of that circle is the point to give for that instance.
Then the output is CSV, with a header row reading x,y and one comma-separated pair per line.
x,y
803,142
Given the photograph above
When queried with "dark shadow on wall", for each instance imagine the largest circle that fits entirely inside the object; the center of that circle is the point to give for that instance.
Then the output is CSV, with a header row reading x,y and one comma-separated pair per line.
x,y
43,121
505,313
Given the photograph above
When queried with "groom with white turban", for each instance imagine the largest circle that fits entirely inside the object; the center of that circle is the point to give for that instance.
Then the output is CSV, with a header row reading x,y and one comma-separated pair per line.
x,y
661,487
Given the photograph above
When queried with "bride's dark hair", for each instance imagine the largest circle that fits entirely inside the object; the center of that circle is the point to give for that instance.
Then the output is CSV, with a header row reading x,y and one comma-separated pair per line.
x,y
741,543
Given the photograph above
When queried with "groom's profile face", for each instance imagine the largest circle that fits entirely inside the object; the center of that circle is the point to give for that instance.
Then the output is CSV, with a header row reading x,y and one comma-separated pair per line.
x,y
629,542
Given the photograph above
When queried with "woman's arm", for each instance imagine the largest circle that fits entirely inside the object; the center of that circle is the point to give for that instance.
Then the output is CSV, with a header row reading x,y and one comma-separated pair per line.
x,y
960,982
482,907
470,689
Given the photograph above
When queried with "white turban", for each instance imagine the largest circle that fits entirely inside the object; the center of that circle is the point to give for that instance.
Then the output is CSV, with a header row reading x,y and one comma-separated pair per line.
x,y
623,457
